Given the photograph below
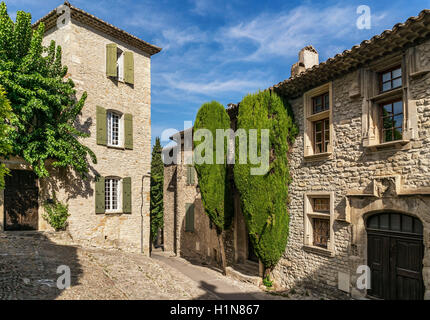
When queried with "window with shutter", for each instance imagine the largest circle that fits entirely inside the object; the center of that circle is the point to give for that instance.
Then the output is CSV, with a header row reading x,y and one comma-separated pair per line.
x,y
189,217
101,126
128,131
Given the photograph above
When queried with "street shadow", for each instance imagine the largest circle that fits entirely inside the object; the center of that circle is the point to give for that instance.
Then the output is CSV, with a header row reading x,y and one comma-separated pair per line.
x,y
28,266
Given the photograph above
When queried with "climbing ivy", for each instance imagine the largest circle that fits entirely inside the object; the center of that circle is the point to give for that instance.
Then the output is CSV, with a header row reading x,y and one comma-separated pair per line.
x,y
43,100
264,198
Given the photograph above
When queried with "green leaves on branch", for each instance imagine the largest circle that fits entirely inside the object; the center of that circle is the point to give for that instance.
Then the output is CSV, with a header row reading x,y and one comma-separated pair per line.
x,y
157,185
56,214
264,197
43,101
5,130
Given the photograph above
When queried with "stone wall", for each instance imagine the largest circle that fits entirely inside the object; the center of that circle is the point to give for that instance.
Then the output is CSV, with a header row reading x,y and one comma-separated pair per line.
x,y
351,167
84,53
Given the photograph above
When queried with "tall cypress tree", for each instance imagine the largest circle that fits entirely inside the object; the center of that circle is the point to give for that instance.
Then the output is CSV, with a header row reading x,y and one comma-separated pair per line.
x,y
157,185
264,197
215,187
43,101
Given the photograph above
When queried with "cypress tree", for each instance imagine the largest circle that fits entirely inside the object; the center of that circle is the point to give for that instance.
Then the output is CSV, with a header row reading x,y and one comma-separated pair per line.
x,y
43,101
213,178
264,197
157,184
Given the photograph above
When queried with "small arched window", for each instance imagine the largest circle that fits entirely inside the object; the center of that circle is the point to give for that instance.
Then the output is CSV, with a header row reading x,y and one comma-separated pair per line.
x,y
395,222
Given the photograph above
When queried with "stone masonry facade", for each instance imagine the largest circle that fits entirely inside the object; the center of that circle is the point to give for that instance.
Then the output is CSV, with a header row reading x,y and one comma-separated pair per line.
x,y
360,176
84,53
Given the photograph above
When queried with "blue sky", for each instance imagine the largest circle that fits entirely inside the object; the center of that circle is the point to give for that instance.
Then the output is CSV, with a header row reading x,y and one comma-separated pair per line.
x,y
222,50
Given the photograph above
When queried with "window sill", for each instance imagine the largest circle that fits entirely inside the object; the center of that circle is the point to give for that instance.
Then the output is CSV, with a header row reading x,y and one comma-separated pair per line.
x,y
318,250
392,145
113,212
388,94
317,156
116,147
419,73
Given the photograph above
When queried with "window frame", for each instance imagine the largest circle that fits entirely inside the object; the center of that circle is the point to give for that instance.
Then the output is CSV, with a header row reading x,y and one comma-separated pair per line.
x,y
109,133
390,70
119,194
310,153
381,120
310,214
120,65
324,143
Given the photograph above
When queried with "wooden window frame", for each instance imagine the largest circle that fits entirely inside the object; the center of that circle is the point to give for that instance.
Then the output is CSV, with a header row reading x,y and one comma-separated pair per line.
x,y
390,70
323,131
108,195
323,104
310,118
109,128
310,214
381,119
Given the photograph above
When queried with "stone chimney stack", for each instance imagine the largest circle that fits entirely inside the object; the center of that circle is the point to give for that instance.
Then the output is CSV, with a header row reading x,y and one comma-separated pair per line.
x,y
308,57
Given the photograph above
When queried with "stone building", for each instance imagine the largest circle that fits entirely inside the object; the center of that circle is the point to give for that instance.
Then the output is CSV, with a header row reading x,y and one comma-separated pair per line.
x,y
111,207
361,182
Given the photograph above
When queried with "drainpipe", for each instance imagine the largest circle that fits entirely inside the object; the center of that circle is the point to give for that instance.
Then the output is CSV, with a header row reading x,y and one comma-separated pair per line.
x,y
141,216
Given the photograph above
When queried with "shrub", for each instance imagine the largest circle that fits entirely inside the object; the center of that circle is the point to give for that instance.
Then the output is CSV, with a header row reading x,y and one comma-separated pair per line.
x,y
56,214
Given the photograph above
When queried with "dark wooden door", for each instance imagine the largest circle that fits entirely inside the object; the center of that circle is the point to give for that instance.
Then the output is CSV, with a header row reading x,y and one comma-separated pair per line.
x,y
395,257
21,201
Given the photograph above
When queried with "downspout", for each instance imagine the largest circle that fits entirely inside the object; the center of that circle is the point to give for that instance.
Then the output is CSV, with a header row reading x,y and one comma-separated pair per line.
x,y
141,216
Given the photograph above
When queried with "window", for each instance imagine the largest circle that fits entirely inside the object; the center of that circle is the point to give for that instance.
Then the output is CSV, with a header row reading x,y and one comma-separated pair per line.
x,y
321,135
391,121
120,64
320,103
391,79
321,232
319,217
114,129
318,122
112,194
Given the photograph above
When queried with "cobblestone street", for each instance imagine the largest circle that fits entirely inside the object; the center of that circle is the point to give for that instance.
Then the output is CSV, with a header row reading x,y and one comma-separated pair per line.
x,y
29,261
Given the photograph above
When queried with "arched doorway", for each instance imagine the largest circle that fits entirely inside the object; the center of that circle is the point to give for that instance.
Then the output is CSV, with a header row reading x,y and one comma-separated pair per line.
x,y
395,253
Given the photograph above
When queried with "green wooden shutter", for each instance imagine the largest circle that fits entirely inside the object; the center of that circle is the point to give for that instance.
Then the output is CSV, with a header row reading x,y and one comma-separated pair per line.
x,y
101,126
189,217
128,131
126,195
128,67
111,58
100,195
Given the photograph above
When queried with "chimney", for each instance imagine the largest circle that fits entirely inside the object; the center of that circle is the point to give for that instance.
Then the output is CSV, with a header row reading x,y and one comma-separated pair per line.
x,y
308,57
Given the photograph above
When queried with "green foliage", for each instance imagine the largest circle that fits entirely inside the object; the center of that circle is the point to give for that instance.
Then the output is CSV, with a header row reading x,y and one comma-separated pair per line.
x,y
267,282
213,178
264,197
5,129
56,214
157,184
42,100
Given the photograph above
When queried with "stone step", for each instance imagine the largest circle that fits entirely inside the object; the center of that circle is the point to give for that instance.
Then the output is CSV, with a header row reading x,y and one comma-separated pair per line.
x,y
245,273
